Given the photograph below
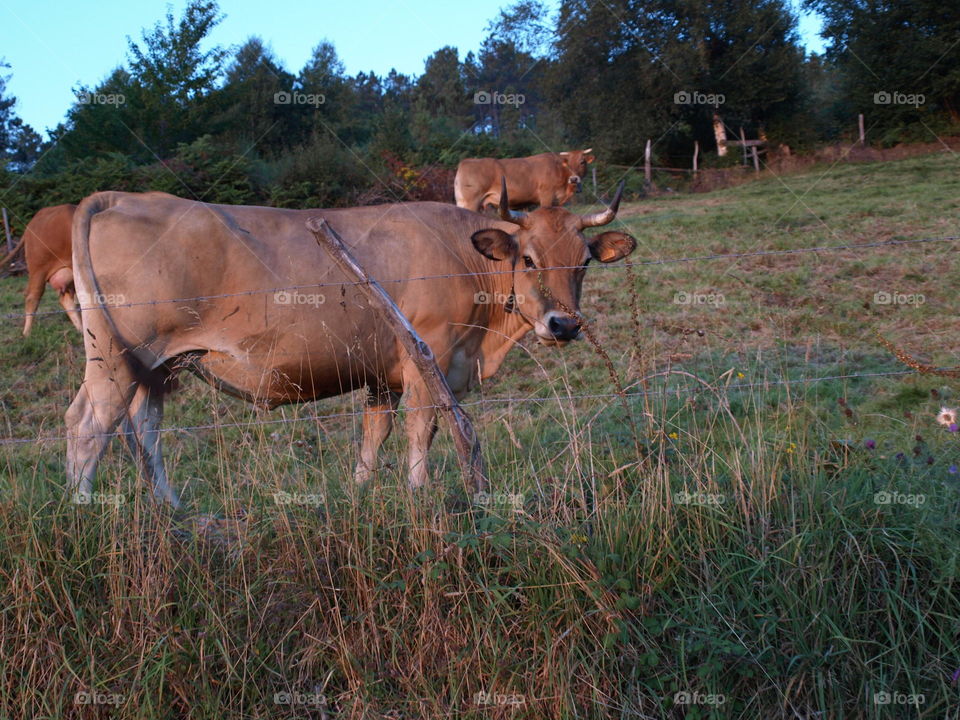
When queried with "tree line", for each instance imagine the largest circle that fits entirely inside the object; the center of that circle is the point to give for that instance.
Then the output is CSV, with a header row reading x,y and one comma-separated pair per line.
x,y
235,125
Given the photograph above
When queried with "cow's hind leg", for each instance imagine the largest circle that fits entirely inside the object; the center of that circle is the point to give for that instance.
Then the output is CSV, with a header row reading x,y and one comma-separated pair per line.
x,y
141,430
378,415
91,420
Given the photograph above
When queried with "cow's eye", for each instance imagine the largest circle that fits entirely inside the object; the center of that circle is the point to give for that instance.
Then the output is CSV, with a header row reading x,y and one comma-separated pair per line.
x,y
528,262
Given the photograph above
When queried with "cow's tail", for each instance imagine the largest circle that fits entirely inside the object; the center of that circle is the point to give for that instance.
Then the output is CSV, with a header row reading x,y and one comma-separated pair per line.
x,y
89,293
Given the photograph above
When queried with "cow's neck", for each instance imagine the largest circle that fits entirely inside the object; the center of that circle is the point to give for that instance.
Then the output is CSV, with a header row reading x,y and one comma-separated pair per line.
x,y
504,328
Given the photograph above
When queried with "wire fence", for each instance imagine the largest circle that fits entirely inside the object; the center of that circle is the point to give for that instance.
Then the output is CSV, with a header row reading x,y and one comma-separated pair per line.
x,y
625,266
621,396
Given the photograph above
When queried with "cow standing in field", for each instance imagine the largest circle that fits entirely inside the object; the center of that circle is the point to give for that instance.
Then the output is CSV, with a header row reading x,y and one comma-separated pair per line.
x,y
47,246
546,180
279,322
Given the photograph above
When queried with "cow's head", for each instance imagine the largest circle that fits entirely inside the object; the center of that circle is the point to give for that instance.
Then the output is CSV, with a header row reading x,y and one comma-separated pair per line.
x,y
575,164
549,255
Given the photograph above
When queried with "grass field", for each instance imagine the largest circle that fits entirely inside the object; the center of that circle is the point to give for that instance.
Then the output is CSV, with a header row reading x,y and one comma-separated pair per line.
x,y
753,540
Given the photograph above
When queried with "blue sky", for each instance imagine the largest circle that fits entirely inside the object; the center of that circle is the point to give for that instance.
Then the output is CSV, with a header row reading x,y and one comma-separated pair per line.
x,y
54,46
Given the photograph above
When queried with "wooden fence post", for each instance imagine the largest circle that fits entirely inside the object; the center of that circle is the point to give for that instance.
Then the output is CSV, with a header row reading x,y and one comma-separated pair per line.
x,y
756,160
647,171
464,436
863,135
696,153
6,230
593,172
743,144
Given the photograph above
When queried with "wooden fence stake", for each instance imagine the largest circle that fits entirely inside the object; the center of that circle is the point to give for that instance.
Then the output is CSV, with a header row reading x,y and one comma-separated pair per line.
x,y
464,436
863,135
756,160
696,153
647,171
6,230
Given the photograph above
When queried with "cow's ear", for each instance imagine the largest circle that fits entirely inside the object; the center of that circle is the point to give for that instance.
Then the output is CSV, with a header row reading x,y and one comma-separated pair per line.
x,y
494,244
589,158
611,246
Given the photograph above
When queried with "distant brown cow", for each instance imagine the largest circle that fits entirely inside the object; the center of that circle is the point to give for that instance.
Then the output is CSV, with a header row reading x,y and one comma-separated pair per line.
x,y
548,179
46,242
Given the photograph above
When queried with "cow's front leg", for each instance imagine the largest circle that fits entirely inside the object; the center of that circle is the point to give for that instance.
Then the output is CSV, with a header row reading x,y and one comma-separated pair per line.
x,y
378,414
421,427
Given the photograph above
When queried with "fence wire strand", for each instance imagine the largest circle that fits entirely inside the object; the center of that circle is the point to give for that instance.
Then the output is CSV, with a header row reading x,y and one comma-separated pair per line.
x,y
625,266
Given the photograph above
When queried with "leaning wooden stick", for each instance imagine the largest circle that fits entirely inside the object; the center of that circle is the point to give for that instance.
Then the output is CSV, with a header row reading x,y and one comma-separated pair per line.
x,y
464,436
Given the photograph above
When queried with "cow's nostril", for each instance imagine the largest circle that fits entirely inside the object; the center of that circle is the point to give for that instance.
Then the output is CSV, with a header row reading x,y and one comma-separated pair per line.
x,y
563,328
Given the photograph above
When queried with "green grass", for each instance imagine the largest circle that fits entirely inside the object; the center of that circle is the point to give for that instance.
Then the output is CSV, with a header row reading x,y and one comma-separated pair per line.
x,y
590,588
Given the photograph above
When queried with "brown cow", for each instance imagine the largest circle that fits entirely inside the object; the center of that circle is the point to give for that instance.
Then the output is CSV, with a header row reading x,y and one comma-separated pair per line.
x,y
261,312
546,180
47,246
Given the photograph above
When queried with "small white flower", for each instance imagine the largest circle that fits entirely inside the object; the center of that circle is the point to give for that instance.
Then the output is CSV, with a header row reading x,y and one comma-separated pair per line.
x,y
947,416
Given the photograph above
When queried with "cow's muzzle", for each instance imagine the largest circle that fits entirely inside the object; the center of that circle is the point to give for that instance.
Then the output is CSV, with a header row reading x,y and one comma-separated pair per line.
x,y
557,328
576,181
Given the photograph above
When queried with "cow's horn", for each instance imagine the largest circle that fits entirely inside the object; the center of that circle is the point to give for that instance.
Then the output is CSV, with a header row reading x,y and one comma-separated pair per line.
x,y
505,212
606,216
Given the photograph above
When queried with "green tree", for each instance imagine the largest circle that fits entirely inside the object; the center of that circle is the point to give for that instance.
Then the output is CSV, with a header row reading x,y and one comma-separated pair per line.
x,y
884,48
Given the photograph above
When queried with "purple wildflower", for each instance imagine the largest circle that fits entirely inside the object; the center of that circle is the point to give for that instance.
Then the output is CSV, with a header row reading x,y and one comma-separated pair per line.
x,y
870,444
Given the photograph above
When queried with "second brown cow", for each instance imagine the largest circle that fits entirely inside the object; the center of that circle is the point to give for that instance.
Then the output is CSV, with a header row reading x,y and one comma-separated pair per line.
x,y
547,179
49,253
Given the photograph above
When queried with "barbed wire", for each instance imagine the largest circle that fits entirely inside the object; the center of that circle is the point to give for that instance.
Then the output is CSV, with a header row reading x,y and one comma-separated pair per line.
x,y
625,266
473,403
